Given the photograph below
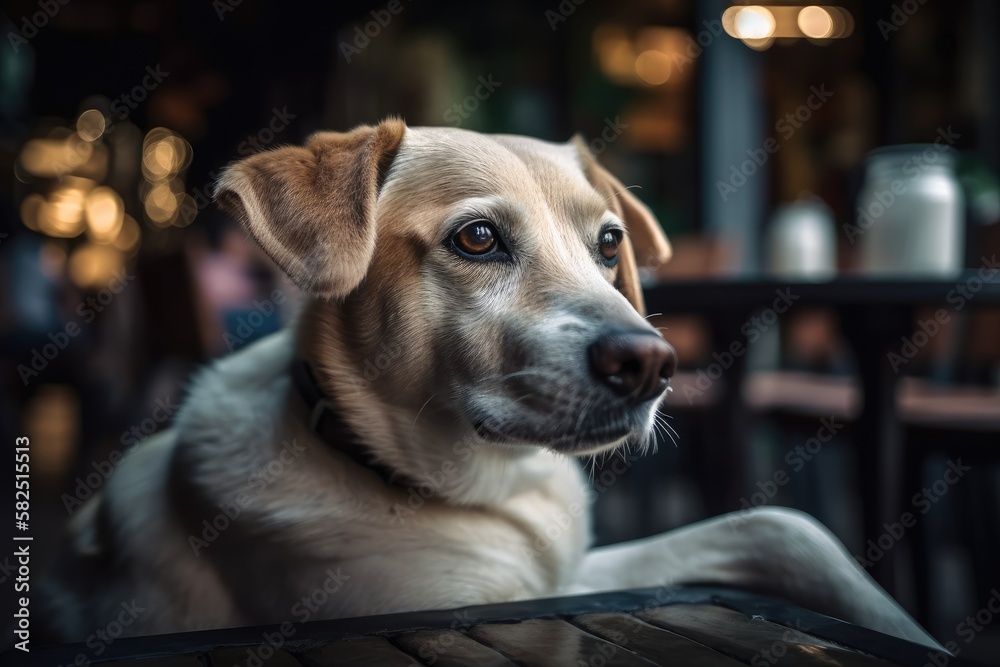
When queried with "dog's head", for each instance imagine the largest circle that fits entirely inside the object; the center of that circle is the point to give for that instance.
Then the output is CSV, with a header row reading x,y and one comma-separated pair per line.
x,y
497,275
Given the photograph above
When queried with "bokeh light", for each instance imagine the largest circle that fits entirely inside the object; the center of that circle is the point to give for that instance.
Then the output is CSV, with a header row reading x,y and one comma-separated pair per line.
x,y
161,204
615,53
61,214
758,25
653,67
105,214
128,237
165,155
52,157
90,125
93,265
815,22
754,22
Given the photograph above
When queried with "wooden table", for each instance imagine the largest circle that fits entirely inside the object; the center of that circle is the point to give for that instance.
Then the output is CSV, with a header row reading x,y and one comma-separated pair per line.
x,y
690,625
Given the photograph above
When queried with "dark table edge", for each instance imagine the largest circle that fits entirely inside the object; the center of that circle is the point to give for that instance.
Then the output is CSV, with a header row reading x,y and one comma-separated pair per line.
x,y
319,632
725,294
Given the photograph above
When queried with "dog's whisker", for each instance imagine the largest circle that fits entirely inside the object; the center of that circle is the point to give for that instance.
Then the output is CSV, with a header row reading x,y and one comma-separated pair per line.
x,y
524,396
652,439
653,315
592,461
669,431
414,426
605,456
658,422
583,413
526,371
658,431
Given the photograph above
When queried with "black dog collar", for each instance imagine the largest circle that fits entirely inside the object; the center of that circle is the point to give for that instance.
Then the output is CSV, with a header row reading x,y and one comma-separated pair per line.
x,y
325,421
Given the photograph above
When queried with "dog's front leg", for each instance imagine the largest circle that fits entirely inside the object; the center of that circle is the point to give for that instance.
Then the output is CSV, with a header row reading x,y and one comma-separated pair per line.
x,y
771,551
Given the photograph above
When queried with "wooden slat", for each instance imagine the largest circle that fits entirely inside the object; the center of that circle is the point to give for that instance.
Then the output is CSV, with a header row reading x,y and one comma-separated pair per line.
x,y
359,652
752,641
920,403
244,655
803,393
554,643
958,407
448,648
651,642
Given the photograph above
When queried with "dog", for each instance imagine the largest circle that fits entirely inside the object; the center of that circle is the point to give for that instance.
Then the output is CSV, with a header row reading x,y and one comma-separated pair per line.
x,y
472,327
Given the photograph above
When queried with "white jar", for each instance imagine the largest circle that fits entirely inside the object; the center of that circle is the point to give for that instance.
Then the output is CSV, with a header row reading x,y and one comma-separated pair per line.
x,y
802,242
910,215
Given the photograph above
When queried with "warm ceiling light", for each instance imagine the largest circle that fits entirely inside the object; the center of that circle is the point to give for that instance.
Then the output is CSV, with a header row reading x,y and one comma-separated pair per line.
x,y
50,158
105,214
843,22
653,67
90,125
815,22
754,22
160,159
93,265
161,204
164,154
128,236
61,215
615,53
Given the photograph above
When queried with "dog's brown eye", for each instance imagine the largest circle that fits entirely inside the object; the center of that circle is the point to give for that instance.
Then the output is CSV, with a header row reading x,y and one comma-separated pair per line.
x,y
608,246
476,238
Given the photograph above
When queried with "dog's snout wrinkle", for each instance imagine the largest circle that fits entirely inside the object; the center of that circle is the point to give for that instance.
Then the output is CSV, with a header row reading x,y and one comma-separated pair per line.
x,y
633,363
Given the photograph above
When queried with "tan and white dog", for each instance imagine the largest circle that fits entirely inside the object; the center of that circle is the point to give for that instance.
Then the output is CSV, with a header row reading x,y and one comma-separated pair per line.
x,y
492,283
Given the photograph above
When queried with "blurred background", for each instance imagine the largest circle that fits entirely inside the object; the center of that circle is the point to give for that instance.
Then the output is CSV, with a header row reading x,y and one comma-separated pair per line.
x,y
749,130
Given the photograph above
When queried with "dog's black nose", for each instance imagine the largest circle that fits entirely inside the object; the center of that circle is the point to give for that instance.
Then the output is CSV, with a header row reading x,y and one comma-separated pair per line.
x,y
633,363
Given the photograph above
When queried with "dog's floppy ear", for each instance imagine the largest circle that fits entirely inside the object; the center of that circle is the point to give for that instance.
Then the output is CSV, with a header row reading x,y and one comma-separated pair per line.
x,y
312,208
646,244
